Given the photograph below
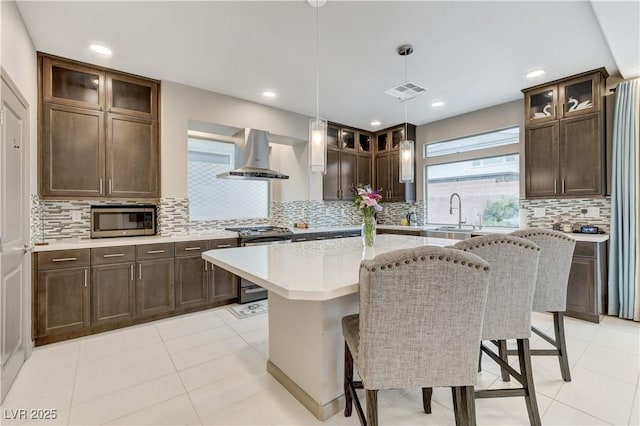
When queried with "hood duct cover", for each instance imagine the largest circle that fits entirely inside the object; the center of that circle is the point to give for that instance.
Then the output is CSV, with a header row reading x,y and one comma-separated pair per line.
x,y
256,154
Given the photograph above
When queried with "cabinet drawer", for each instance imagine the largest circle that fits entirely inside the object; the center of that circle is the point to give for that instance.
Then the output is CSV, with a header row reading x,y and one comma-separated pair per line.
x,y
585,249
63,259
223,243
106,255
190,248
154,251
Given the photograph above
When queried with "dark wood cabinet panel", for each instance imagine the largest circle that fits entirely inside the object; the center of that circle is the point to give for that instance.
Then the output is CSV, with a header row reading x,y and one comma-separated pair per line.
x,y
155,287
108,255
541,160
72,152
398,189
382,175
112,292
132,157
191,282
348,173
223,285
581,144
364,170
386,164
59,259
331,180
587,287
154,251
63,301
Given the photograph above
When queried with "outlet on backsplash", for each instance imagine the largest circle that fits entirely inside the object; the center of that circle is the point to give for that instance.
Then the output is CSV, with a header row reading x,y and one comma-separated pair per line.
x,y
76,216
539,212
593,212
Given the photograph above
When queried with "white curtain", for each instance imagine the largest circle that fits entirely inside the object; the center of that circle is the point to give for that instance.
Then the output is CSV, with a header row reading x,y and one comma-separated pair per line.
x,y
624,287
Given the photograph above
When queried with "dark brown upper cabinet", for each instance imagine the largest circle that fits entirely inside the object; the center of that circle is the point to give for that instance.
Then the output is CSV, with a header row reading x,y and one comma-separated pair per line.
x,y
98,134
386,160
565,149
348,162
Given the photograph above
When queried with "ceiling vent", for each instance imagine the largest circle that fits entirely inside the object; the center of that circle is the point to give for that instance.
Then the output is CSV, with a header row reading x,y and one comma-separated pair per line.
x,y
406,91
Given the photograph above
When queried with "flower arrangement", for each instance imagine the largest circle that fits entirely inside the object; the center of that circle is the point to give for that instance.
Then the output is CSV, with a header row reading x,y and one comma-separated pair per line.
x,y
366,201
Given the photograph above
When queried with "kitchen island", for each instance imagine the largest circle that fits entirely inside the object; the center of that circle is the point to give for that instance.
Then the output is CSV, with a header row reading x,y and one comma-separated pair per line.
x,y
312,285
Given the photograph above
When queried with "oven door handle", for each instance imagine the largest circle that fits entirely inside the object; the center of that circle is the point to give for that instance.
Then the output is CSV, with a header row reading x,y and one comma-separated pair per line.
x,y
254,290
265,240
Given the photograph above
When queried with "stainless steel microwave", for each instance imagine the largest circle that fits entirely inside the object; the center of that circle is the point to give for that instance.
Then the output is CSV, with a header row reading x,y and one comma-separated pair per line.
x,y
122,221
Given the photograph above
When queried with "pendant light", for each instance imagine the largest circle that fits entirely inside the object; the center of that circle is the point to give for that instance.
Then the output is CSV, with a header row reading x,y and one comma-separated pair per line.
x,y
406,146
317,126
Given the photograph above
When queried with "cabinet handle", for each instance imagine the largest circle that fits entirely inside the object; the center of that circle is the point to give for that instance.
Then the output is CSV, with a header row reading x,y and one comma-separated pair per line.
x,y
563,186
155,251
139,271
555,186
223,245
320,238
85,277
132,272
101,186
191,248
114,255
254,290
110,186
64,259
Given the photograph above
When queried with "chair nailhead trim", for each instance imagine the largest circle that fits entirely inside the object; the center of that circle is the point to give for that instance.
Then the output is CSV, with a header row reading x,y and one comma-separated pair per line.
x,y
431,257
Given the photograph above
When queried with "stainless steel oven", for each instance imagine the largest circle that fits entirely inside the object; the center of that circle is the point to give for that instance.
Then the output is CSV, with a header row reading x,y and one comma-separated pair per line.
x,y
123,221
249,291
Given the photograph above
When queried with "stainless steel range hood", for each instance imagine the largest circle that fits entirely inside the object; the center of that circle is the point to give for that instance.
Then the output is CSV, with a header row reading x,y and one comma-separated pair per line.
x,y
256,155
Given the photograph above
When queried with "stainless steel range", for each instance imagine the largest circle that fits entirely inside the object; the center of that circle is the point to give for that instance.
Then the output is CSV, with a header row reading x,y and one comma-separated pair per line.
x,y
253,236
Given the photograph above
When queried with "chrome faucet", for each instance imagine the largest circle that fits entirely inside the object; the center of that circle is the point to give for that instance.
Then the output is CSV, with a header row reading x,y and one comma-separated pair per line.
x,y
460,222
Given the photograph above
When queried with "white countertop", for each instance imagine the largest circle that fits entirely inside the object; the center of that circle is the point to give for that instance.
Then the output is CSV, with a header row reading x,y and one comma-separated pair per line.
x,y
83,243
311,270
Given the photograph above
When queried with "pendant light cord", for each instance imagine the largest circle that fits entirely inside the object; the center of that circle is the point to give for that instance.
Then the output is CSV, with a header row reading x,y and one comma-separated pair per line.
x,y
405,102
317,60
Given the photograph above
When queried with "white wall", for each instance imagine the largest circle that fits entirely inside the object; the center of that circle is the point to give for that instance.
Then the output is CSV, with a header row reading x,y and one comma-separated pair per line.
x,y
496,117
18,58
180,103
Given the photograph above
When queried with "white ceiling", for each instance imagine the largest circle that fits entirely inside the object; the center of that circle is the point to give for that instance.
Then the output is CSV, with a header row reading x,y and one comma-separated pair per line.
x,y
471,55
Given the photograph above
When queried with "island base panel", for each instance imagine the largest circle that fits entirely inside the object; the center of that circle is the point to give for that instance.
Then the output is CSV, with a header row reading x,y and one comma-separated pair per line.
x,y
306,350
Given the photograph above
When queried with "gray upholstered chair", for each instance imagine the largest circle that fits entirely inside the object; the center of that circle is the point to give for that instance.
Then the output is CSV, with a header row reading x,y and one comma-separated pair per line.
x,y
508,310
556,254
409,300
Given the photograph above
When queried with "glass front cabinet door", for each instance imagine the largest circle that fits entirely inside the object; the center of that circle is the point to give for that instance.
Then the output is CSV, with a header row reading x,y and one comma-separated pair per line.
x,y
72,84
541,105
580,95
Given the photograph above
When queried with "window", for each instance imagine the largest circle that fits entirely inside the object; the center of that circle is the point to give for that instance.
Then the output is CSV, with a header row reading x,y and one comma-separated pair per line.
x,y
211,198
484,170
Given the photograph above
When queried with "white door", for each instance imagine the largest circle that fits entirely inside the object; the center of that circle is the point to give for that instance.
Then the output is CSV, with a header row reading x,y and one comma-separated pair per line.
x,y
14,234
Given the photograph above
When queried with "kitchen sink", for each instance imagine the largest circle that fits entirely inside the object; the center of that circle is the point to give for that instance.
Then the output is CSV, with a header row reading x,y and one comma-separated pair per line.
x,y
451,233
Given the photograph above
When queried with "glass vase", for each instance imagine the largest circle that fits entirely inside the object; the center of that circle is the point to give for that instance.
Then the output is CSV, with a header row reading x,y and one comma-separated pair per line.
x,y
368,231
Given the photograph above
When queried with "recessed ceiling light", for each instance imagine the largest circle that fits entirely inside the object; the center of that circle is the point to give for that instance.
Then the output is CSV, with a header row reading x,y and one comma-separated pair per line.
x,y
437,104
100,49
269,94
375,123
535,73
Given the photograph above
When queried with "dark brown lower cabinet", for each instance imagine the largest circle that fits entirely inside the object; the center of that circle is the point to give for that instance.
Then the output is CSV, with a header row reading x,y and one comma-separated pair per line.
x,y
587,288
223,285
155,287
63,300
192,288
113,293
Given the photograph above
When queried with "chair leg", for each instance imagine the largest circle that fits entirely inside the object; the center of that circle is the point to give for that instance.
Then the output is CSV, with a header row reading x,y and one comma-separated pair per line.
x,y
558,328
524,356
461,405
470,405
426,399
372,407
348,378
502,353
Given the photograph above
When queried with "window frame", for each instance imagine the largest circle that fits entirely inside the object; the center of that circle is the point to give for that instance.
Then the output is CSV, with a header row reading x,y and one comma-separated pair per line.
x,y
498,151
212,137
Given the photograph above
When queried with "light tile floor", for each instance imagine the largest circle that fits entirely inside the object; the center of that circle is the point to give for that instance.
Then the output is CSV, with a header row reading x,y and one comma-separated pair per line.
x,y
209,368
